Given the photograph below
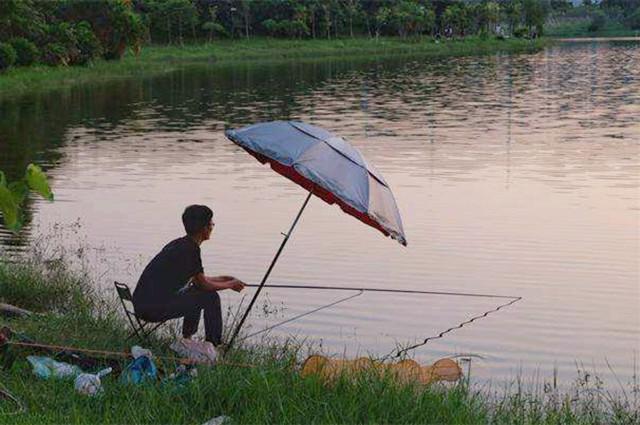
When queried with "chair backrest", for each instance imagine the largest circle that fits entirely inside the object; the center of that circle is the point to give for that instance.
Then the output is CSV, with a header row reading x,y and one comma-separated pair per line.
x,y
124,293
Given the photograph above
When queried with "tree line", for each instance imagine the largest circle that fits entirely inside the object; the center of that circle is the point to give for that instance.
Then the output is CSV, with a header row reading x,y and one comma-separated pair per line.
x,y
70,32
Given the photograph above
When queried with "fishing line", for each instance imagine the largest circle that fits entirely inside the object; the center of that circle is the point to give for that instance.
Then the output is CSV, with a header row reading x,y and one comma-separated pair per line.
x,y
291,319
466,322
512,300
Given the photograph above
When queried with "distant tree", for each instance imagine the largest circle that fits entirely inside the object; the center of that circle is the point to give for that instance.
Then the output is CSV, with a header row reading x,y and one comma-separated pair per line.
x,y
411,18
534,15
634,19
513,12
457,18
26,51
8,56
353,10
490,15
314,8
212,26
560,5
598,21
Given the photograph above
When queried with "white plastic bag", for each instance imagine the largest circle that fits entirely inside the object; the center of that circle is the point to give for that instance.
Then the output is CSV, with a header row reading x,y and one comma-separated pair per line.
x,y
198,351
90,384
137,351
218,420
46,367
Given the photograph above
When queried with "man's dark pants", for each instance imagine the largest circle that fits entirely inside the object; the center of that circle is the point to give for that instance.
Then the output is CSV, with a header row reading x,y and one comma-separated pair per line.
x,y
188,304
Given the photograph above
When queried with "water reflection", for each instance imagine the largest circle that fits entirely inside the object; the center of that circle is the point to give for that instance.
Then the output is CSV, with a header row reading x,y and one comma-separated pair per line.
x,y
514,175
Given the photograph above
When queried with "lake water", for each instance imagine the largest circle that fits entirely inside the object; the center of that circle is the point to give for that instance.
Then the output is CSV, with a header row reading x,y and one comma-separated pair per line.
x,y
514,175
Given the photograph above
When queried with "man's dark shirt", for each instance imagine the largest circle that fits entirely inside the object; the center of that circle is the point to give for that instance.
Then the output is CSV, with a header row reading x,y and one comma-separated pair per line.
x,y
168,272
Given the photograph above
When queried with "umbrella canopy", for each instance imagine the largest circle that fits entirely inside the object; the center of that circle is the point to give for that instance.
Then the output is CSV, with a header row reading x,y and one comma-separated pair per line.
x,y
327,166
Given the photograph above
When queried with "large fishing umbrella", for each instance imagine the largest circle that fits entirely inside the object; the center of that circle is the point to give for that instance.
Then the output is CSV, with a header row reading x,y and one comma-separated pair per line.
x,y
328,167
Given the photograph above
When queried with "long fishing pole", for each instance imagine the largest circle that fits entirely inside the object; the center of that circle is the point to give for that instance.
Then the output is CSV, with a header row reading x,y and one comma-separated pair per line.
x,y
399,291
512,300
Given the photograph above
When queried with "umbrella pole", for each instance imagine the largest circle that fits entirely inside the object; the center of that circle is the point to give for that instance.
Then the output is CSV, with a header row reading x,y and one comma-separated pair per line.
x,y
266,275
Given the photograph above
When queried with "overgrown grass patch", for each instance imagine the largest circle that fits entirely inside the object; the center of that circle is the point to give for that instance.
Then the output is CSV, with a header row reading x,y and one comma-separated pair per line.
x,y
44,286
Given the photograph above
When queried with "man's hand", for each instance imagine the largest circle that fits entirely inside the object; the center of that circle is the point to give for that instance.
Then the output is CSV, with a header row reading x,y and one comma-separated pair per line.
x,y
236,284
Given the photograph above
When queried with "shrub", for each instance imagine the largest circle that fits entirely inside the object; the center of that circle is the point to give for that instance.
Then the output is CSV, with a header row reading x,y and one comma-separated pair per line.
x,y
86,42
54,54
634,19
520,32
26,52
125,28
61,48
598,21
7,56
214,28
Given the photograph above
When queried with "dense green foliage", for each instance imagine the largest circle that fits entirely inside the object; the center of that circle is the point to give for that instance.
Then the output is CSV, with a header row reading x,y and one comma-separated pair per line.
x,y
68,32
7,55
26,51
174,21
604,18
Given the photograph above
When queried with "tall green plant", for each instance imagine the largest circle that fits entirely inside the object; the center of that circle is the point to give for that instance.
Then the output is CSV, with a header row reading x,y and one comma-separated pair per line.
x,y
13,195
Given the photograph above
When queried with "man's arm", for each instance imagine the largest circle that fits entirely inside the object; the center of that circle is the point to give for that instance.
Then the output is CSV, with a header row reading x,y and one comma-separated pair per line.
x,y
217,283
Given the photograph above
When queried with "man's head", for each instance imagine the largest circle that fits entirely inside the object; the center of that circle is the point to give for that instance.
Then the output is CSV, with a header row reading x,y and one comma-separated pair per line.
x,y
197,221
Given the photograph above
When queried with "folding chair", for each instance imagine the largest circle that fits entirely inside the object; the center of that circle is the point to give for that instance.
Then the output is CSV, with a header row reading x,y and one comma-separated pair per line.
x,y
141,328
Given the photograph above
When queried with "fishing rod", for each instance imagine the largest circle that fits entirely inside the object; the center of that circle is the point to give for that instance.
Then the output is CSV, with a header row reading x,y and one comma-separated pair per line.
x,y
512,300
399,291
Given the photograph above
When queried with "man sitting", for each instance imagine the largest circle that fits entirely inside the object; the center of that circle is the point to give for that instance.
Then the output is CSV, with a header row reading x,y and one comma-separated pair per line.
x,y
162,292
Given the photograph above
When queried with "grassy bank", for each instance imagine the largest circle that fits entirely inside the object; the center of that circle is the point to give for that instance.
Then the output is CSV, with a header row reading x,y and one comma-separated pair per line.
x,y
580,28
158,59
271,391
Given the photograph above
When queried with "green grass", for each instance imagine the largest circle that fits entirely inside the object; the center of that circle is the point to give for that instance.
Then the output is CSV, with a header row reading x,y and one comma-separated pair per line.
x,y
271,391
159,59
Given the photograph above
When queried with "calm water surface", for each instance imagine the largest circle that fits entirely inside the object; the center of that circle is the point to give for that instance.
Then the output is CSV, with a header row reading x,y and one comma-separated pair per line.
x,y
515,175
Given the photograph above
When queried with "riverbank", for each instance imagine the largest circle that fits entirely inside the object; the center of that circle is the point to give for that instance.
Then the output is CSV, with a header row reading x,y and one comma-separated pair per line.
x,y
271,390
580,29
162,59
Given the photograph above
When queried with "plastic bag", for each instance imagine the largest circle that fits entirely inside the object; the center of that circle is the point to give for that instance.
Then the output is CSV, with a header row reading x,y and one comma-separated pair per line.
x,y
198,351
218,420
137,351
46,367
90,384
141,370
183,375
